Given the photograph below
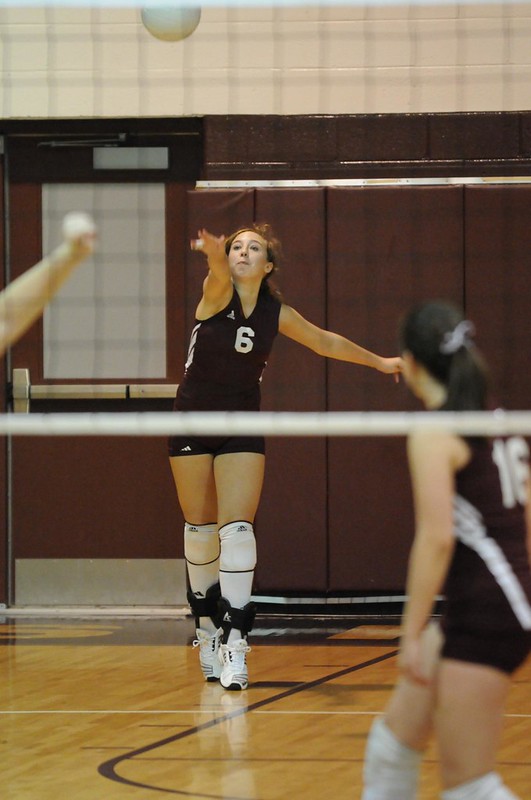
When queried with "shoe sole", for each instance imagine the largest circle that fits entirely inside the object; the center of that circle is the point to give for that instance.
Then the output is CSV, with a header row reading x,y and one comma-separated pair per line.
x,y
235,686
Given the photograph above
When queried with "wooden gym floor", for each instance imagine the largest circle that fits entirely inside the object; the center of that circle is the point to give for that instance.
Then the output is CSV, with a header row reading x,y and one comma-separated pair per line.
x,y
115,709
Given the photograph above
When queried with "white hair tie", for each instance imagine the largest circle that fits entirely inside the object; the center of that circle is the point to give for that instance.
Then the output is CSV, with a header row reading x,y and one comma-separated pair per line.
x,y
461,336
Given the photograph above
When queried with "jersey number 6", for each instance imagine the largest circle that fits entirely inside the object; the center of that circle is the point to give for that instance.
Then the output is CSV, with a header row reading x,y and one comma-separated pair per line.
x,y
244,341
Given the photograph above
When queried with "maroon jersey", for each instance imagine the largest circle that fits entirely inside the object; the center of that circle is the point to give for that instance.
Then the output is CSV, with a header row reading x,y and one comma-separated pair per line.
x,y
227,356
488,586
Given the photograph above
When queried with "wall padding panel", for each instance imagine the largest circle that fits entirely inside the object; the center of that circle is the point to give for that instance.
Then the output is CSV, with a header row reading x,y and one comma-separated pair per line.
x,y
498,285
292,519
387,249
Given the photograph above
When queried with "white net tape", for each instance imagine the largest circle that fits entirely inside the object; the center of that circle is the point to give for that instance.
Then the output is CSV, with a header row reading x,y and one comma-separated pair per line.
x,y
345,423
172,4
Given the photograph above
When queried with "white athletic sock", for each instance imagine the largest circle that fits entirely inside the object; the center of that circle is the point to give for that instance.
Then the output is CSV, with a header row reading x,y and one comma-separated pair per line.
x,y
391,769
236,565
201,551
488,787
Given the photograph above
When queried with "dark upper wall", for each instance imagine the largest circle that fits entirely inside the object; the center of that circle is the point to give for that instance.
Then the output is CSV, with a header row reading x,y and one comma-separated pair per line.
x,y
268,147
355,146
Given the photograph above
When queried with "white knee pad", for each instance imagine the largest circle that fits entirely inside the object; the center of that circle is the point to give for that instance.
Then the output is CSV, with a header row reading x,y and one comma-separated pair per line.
x,y
201,543
238,547
391,770
488,787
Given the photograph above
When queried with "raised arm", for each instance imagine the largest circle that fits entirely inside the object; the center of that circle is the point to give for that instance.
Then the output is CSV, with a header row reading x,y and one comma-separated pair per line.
x,y
332,345
217,286
24,300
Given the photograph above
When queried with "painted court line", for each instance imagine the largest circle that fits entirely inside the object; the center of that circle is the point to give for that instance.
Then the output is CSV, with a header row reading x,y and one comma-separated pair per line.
x,y
211,711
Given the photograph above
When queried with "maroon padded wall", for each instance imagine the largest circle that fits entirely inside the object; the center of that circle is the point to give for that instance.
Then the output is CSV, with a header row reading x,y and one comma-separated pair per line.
x,y
387,248
292,520
498,285
94,497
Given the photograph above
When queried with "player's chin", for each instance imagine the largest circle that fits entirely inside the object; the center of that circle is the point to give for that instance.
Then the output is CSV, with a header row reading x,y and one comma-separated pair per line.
x,y
240,271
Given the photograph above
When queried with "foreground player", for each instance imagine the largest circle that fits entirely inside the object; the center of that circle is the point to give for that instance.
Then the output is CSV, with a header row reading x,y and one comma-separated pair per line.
x,y
470,497
24,300
219,480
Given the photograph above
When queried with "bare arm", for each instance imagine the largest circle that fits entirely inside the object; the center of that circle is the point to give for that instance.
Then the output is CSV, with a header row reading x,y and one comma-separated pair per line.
x,y
24,300
434,457
217,286
332,345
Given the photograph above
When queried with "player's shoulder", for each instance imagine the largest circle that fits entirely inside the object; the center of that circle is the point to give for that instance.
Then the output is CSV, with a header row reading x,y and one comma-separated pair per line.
x,y
437,443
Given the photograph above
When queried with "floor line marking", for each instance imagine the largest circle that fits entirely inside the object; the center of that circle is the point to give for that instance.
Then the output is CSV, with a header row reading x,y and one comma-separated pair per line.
x,y
214,711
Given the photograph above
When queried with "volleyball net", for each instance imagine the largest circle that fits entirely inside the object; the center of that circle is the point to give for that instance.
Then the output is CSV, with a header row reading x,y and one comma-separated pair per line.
x,y
172,4
271,424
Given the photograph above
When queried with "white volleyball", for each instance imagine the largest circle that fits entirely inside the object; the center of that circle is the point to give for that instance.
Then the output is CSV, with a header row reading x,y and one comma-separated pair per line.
x,y
170,24
77,224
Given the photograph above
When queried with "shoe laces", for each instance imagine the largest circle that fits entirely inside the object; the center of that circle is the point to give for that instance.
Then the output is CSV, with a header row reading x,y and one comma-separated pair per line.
x,y
205,639
237,649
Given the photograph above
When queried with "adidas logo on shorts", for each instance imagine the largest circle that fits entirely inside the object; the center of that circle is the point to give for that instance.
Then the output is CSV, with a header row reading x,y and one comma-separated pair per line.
x,y
186,449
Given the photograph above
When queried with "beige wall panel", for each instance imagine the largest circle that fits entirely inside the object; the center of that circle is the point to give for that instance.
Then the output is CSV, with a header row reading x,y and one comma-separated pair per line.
x,y
67,62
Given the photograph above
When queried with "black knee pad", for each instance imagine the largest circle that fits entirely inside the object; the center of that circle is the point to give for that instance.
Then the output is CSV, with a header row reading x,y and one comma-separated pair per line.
x,y
239,618
207,606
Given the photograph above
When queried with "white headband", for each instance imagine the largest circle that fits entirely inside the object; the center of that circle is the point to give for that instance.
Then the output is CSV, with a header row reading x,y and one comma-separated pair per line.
x,y
461,336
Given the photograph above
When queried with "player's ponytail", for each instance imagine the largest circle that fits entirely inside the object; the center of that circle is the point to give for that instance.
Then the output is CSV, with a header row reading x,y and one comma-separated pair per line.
x,y
438,337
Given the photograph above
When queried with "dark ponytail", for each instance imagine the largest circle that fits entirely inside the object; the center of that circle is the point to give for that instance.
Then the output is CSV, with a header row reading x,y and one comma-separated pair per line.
x,y
438,337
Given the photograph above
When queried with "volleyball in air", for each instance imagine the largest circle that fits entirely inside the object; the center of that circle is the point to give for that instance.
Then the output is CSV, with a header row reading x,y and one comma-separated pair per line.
x,y
170,24
77,224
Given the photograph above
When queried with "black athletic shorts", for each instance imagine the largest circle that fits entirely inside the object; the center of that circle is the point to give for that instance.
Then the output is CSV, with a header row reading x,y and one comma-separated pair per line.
x,y
504,651
214,445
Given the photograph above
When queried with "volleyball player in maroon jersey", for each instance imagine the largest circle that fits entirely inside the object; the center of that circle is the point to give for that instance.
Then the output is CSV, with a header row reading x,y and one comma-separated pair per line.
x,y
472,542
218,479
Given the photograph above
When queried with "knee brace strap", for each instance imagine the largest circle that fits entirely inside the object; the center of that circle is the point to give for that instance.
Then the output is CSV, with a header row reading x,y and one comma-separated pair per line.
x,y
238,547
488,787
239,618
206,606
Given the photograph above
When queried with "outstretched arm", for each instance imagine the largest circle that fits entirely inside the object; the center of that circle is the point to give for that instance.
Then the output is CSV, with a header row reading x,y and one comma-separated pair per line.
x,y
332,345
24,300
217,286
